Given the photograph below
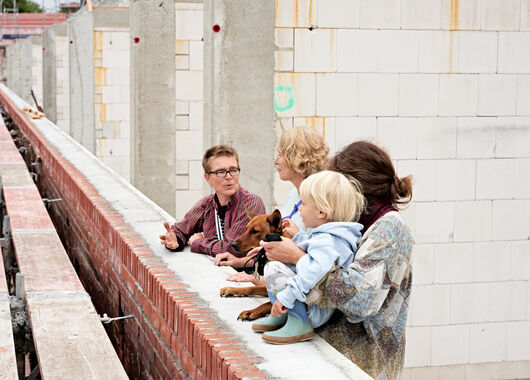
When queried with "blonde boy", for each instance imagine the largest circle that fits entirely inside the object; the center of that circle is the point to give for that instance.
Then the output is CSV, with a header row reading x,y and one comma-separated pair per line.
x,y
331,205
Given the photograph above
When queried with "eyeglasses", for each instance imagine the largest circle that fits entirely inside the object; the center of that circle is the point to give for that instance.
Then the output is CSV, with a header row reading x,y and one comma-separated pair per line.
x,y
221,173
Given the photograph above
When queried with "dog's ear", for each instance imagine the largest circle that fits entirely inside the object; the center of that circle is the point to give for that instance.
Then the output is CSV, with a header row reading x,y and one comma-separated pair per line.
x,y
275,221
250,214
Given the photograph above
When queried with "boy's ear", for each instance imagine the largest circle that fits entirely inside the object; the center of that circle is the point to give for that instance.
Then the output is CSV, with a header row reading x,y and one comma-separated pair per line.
x,y
322,215
275,220
250,214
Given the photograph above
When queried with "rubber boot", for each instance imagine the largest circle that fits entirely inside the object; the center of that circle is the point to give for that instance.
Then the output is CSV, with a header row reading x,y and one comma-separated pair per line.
x,y
297,328
269,323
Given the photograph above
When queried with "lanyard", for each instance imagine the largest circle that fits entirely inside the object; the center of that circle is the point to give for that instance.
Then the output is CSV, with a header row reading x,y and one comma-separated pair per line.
x,y
295,209
218,226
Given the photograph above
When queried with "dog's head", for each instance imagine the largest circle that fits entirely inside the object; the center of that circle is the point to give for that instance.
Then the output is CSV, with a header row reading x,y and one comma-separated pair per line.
x,y
259,226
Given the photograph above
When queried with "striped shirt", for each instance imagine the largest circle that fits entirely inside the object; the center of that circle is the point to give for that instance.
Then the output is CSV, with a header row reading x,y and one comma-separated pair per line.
x,y
201,218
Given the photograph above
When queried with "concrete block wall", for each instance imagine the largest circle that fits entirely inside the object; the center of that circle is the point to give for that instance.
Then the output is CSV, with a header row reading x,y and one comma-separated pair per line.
x,y
112,98
444,87
62,89
36,68
188,105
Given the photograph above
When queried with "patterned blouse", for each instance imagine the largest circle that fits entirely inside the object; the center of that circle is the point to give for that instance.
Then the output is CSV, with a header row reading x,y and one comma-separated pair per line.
x,y
373,296
201,218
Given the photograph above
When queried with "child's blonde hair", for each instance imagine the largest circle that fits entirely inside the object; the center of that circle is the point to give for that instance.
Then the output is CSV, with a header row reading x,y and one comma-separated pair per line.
x,y
340,197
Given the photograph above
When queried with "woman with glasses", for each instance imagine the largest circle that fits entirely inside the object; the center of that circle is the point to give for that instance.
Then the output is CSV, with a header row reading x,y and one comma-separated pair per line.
x,y
216,220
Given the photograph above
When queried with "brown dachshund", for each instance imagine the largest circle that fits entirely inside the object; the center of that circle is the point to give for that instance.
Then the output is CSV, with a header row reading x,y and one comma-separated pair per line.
x,y
256,229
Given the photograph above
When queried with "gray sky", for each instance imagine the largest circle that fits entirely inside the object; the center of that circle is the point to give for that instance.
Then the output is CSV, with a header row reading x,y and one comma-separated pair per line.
x,y
52,5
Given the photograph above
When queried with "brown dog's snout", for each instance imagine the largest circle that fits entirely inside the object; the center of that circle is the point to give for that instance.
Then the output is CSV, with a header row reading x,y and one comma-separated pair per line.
x,y
235,245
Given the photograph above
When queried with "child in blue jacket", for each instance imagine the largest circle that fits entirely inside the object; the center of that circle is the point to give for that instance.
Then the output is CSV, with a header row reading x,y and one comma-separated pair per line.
x,y
331,205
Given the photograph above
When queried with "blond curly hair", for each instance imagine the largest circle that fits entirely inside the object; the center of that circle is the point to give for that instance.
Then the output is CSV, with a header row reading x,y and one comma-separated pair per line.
x,y
304,150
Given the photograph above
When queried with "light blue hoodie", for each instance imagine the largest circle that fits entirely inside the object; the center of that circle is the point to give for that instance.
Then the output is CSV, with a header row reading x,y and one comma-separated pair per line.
x,y
328,244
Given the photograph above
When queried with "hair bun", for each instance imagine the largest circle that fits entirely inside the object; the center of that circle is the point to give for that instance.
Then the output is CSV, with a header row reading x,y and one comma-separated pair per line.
x,y
403,186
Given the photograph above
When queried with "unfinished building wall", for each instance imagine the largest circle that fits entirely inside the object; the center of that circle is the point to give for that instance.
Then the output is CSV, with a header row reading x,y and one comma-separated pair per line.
x,y
445,87
188,105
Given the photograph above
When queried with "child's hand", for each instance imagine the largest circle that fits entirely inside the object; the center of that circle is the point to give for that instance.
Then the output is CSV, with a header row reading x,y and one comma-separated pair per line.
x,y
289,226
278,309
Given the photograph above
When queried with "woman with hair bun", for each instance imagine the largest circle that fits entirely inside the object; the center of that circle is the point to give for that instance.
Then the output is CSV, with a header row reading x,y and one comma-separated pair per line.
x,y
372,293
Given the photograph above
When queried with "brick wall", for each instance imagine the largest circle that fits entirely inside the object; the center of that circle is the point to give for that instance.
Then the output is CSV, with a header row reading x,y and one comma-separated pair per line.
x,y
445,87
189,105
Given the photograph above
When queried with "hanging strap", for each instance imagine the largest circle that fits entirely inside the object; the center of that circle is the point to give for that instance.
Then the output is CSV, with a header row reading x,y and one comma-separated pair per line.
x,y
219,226
295,209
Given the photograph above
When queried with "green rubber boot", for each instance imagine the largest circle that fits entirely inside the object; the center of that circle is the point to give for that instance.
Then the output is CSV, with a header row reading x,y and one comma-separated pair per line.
x,y
269,323
293,331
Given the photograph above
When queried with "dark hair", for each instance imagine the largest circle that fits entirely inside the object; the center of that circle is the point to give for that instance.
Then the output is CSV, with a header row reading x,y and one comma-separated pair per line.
x,y
373,168
216,151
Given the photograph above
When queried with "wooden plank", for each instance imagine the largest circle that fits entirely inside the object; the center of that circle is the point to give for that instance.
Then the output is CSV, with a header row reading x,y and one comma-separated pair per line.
x,y
70,340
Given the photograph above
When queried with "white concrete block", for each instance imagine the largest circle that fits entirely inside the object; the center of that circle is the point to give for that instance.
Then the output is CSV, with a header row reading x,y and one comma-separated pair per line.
x,y
424,176
187,6
472,221
182,123
522,181
450,345
421,14
295,94
469,303
507,301
185,198
315,50
398,136
196,55
284,60
514,55
337,94
434,51
181,182
491,261
188,145
118,111
477,52
328,131
284,37
338,13
528,300
380,14
188,85
497,94
525,15
357,50
456,180
113,147
350,129
486,342
398,51
115,58
196,175
182,47
523,94
458,95
182,107
430,305
453,263
463,15
512,136
181,167
189,24
418,94
295,13
510,220
418,348
434,222
407,214
495,179
120,41
517,341
501,14
476,137
437,138
378,94
423,264
196,116
115,94
520,261
118,77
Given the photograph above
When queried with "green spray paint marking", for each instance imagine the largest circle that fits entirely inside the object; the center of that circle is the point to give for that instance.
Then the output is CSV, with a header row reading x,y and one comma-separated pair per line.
x,y
289,104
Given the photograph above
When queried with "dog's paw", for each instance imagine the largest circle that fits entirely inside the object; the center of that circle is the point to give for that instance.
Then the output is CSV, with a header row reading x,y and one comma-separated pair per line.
x,y
245,315
227,291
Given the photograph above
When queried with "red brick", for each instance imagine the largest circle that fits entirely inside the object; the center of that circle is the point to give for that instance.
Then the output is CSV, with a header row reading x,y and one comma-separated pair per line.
x,y
26,210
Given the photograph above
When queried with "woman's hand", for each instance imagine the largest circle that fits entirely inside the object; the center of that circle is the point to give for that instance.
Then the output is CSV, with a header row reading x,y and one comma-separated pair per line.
x,y
285,251
194,237
278,309
289,226
245,277
229,260
169,239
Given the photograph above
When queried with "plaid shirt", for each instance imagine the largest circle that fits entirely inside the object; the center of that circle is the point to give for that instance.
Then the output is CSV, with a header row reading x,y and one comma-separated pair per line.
x,y
201,218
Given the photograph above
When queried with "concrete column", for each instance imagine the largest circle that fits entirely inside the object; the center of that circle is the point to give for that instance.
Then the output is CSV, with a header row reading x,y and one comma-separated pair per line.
x,y
153,100
238,86
56,89
49,72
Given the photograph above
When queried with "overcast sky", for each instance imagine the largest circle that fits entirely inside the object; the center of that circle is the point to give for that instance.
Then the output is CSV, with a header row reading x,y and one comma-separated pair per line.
x,y
52,5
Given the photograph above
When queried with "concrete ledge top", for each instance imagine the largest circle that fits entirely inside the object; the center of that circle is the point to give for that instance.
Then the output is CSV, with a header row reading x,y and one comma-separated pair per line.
x,y
311,359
